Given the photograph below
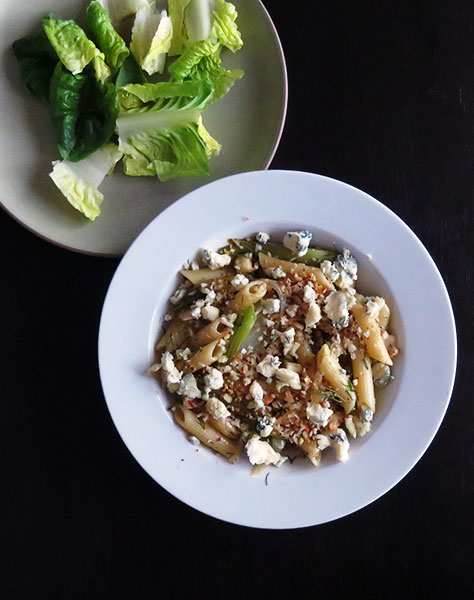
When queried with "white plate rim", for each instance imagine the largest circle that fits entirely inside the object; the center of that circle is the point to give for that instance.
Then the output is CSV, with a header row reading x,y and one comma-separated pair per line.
x,y
450,324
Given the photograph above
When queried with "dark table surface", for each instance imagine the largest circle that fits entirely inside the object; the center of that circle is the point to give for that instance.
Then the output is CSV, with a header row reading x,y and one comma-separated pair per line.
x,y
382,97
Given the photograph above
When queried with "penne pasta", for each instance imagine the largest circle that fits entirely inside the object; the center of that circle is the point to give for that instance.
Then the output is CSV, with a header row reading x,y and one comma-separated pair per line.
x,y
214,331
269,262
176,333
203,275
384,316
372,335
248,295
206,356
329,366
362,368
275,364
206,434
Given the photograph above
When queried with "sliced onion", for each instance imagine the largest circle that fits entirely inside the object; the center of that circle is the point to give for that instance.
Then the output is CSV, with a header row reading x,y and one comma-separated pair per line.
x,y
273,284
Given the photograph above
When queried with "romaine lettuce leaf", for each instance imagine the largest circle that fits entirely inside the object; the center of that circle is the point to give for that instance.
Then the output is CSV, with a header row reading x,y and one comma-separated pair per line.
x,y
74,48
223,32
209,68
79,181
176,10
198,20
83,112
37,60
108,40
162,138
213,147
130,72
151,39
121,9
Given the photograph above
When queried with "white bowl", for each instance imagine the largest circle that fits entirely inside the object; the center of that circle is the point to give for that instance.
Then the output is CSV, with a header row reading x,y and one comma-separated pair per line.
x,y
392,263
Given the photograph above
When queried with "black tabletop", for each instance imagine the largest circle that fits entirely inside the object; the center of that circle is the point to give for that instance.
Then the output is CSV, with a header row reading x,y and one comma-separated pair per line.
x,y
381,97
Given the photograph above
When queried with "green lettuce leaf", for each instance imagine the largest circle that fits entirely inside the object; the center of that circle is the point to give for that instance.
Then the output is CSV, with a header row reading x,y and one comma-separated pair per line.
x,y
176,10
108,40
79,182
202,59
37,60
198,20
151,39
130,72
74,48
83,112
162,137
209,68
213,147
224,26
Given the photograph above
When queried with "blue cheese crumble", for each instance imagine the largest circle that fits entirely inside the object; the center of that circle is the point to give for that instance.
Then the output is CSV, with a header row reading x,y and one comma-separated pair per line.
x,y
298,241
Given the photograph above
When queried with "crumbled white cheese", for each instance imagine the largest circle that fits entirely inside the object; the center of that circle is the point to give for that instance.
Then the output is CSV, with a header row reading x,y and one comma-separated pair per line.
x,y
344,280
179,293
194,266
329,270
239,281
341,445
213,379
210,313
229,319
309,295
323,441
194,441
373,306
270,306
256,391
362,427
214,260
268,366
288,377
262,237
337,307
188,387
313,316
183,353
172,374
317,414
210,294
297,241
350,426
288,340
261,453
217,409
264,426
291,310
275,272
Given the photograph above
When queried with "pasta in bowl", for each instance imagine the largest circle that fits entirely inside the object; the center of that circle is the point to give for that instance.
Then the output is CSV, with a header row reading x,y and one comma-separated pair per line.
x,y
269,348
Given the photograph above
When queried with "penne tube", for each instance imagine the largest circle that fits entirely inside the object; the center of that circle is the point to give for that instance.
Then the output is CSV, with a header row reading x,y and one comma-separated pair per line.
x,y
203,275
384,316
176,333
362,369
243,264
372,335
248,295
206,434
225,426
207,355
214,331
312,451
269,262
329,366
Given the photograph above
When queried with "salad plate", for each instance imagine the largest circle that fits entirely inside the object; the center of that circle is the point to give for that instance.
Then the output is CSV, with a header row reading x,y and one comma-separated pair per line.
x,y
248,122
392,262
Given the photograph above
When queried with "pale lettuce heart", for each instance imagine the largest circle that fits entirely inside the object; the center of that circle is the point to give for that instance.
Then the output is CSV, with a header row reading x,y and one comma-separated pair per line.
x,y
151,39
79,181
